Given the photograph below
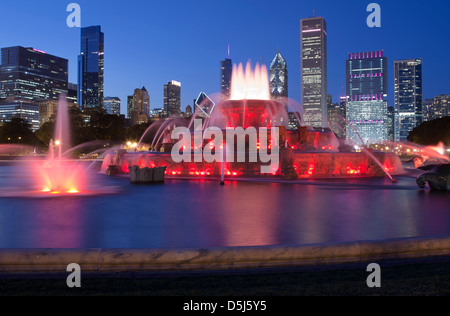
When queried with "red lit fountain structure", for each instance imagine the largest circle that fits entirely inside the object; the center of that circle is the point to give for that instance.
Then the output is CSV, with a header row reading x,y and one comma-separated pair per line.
x,y
305,152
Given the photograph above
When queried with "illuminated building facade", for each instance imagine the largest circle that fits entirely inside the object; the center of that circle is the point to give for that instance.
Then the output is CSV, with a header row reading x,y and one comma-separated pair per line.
x,y
112,105
438,107
140,106
408,96
204,105
91,68
20,109
49,108
313,43
367,97
31,75
226,69
278,79
172,98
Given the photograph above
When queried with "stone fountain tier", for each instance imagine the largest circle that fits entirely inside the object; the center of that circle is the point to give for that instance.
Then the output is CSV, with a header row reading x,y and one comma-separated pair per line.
x,y
305,164
254,113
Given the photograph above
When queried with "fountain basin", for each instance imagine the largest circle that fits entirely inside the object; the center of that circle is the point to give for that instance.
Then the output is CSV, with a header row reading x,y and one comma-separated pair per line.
x,y
307,165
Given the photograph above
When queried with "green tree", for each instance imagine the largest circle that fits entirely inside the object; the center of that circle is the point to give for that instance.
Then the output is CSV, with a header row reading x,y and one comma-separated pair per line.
x,y
135,132
45,133
103,126
432,132
86,127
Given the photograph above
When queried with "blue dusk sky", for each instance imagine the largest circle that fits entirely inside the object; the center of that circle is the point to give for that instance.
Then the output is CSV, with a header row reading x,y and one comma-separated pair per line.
x,y
148,43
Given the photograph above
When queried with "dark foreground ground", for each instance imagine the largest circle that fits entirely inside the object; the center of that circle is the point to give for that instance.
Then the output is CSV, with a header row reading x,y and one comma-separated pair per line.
x,y
429,277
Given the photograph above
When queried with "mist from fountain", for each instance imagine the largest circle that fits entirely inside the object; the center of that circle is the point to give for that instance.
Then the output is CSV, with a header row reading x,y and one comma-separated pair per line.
x,y
423,155
366,151
15,149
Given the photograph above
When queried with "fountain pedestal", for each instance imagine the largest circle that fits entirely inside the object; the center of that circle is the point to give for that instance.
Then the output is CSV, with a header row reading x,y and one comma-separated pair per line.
x,y
147,175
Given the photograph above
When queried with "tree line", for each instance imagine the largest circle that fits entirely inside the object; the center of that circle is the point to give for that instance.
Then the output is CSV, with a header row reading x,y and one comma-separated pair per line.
x,y
85,127
98,125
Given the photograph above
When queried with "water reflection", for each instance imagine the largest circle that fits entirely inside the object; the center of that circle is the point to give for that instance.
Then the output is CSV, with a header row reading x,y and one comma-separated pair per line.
x,y
45,223
205,214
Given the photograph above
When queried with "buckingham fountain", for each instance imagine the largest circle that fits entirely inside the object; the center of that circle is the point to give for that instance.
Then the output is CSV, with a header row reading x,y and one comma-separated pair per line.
x,y
305,152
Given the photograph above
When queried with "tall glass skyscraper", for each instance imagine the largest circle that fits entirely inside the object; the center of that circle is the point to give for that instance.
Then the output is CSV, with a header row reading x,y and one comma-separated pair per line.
x,y
367,97
408,96
91,68
226,68
32,75
172,98
278,78
313,50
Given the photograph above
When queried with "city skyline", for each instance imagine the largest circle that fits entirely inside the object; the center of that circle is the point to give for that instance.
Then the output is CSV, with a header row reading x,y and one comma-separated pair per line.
x,y
248,36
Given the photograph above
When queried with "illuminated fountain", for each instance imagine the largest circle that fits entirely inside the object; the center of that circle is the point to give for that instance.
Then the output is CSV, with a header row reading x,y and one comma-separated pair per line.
x,y
58,174
311,152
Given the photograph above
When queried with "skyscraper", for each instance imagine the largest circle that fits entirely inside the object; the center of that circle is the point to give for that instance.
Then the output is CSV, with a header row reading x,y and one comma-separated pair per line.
x,y
203,105
48,109
140,107
188,112
226,69
367,97
335,114
313,51
408,96
28,111
440,107
32,75
129,106
172,98
91,68
278,78
72,93
427,108
112,105
391,123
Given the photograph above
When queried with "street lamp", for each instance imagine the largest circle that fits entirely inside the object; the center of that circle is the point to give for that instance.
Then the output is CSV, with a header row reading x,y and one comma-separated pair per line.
x,y
58,144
